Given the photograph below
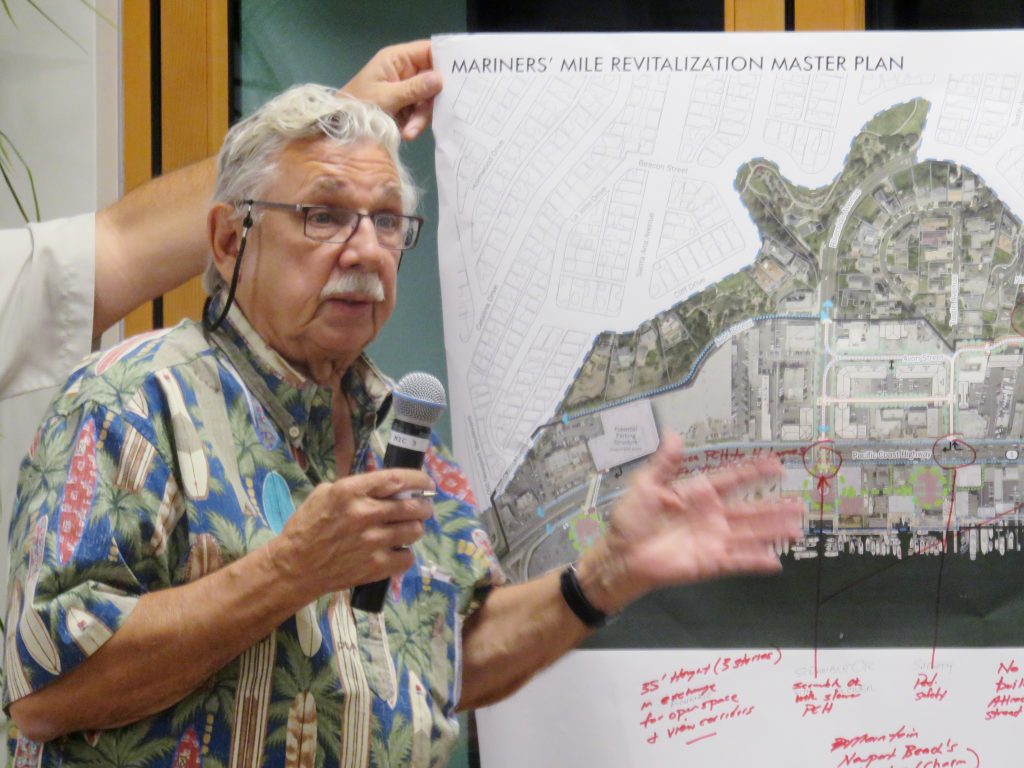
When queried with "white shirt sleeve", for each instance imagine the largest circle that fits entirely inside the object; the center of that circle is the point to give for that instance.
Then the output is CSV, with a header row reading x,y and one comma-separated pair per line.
x,y
47,292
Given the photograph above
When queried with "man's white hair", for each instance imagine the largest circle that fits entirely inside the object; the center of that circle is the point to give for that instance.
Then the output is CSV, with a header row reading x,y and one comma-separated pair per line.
x,y
247,162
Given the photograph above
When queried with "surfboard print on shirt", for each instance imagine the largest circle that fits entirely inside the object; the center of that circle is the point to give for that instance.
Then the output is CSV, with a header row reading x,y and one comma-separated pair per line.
x,y
300,741
33,631
192,461
252,704
86,629
78,492
27,754
167,517
355,737
187,755
277,501
204,557
137,455
307,627
126,347
17,681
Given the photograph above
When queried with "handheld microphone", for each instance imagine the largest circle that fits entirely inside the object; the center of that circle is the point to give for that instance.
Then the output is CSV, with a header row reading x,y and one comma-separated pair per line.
x,y
418,401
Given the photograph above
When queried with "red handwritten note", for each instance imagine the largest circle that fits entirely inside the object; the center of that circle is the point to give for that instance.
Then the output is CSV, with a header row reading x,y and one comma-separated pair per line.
x,y
927,687
903,746
713,458
1008,698
821,697
690,704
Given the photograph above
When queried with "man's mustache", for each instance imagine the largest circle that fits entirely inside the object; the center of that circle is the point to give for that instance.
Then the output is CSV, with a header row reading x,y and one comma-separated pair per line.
x,y
366,284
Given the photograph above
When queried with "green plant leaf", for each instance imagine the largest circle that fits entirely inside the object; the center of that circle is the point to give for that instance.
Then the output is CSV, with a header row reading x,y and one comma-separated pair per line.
x,y
14,193
92,8
6,148
50,19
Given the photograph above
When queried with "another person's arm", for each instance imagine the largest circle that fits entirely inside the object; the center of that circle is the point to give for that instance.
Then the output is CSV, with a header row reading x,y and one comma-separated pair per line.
x,y
151,240
661,533
154,238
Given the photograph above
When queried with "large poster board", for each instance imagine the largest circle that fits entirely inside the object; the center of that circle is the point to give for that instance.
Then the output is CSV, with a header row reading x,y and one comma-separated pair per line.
x,y
808,245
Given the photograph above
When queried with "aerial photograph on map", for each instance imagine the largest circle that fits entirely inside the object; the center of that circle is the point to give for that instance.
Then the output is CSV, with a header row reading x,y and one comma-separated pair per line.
x,y
875,346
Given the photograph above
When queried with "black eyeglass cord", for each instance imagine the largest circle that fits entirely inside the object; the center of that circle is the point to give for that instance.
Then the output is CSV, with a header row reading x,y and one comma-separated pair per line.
x,y
207,325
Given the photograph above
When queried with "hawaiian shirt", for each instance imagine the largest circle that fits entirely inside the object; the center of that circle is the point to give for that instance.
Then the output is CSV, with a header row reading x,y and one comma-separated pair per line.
x,y
174,454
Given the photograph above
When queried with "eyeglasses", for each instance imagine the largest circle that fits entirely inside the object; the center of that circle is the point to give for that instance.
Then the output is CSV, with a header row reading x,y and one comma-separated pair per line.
x,y
327,224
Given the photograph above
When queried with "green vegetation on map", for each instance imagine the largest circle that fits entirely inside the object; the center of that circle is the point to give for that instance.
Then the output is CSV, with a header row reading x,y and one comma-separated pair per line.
x,y
876,317
883,240
899,120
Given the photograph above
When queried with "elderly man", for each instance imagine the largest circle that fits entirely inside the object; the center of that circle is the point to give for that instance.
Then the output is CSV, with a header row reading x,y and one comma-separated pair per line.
x,y
200,502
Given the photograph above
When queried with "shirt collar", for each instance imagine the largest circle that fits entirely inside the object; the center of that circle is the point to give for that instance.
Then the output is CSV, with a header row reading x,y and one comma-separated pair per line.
x,y
296,402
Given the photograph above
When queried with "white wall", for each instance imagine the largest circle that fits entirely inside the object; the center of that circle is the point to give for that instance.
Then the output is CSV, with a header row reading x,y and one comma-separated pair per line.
x,y
60,105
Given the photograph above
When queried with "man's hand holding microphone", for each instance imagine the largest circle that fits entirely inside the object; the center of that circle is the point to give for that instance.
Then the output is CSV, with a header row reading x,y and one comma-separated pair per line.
x,y
358,531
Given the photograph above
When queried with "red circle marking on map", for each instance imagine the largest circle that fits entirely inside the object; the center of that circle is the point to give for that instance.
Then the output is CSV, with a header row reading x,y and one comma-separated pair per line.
x,y
953,452
827,460
1016,317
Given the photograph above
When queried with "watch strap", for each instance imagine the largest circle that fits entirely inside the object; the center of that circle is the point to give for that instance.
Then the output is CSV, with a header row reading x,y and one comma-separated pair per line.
x,y
585,611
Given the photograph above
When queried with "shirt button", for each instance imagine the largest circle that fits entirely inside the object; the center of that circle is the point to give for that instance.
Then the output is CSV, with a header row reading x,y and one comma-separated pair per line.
x,y
294,432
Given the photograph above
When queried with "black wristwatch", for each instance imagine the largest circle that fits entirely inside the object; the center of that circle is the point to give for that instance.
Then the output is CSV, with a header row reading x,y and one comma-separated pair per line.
x,y
585,611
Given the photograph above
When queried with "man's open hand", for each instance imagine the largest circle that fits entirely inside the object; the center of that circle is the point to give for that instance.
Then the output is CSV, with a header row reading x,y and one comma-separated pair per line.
x,y
665,532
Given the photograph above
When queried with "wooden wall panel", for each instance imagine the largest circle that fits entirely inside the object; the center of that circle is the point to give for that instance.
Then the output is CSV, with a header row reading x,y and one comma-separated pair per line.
x,y
829,14
138,161
755,15
765,15
194,105
193,108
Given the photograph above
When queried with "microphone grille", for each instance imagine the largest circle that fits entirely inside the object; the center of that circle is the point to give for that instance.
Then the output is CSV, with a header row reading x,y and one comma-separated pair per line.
x,y
419,399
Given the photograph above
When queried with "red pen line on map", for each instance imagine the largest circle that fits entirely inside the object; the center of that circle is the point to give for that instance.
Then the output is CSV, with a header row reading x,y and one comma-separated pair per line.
x,y
822,486
942,563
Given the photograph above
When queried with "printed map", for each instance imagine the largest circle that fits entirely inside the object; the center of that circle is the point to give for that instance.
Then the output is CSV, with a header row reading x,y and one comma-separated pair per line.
x,y
871,343
806,245
607,285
